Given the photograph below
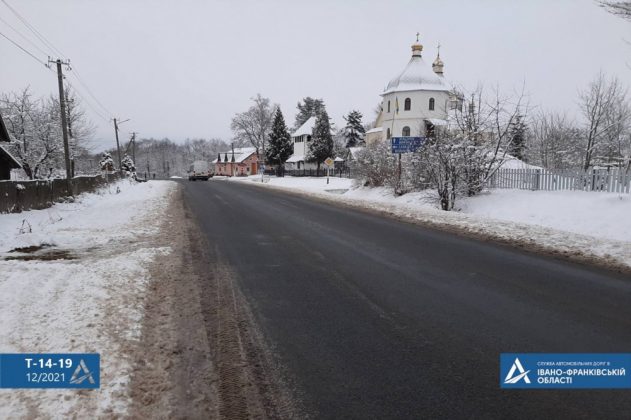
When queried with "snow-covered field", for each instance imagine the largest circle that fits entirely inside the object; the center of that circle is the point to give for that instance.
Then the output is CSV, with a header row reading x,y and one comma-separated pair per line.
x,y
88,300
571,222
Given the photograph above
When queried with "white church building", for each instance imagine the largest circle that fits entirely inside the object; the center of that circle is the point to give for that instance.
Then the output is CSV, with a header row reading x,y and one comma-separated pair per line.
x,y
415,101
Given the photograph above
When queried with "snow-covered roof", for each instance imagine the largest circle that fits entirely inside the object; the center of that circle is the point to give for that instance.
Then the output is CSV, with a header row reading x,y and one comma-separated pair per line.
x,y
437,121
339,159
240,154
511,162
306,128
375,130
13,162
417,75
296,158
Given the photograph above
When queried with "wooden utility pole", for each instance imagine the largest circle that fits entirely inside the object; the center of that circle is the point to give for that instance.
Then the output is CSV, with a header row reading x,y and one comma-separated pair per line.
x,y
133,146
118,147
62,106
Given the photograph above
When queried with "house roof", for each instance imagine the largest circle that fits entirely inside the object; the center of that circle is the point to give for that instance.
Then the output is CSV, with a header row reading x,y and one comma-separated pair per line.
x,y
240,154
306,128
5,156
296,158
375,130
4,134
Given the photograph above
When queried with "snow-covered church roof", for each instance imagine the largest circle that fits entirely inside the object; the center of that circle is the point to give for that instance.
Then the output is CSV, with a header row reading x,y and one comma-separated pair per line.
x,y
417,75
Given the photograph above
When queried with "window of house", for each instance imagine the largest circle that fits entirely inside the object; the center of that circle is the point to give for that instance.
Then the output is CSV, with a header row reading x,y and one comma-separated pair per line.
x,y
406,131
388,133
388,106
431,104
407,105
308,138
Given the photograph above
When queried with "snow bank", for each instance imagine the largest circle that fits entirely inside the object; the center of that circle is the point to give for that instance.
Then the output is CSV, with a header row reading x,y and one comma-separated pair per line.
x,y
571,222
89,301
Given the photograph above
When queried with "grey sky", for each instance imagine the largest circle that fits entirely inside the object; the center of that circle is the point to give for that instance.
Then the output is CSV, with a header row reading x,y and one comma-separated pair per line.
x,y
182,69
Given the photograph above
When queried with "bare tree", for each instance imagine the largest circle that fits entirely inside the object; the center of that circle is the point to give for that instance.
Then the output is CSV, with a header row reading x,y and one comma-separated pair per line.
x,y
253,126
554,141
604,107
619,8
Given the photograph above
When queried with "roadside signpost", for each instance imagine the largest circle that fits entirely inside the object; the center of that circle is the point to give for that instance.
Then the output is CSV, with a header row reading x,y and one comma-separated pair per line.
x,y
329,164
406,144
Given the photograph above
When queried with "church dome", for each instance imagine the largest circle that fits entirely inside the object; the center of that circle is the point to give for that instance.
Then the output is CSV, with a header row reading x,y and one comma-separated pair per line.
x,y
417,75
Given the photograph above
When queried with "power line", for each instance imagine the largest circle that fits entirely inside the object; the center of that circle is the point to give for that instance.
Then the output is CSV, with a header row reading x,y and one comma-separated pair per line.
x,y
24,49
35,32
93,108
76,75
24,37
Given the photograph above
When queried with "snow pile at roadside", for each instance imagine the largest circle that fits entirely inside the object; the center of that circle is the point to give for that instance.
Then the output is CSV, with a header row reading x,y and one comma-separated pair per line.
x,y
89,300
570,222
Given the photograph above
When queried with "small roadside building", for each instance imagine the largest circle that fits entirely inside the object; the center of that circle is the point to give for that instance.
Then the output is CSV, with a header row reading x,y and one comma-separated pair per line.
x,y
242,161
301,139
7,161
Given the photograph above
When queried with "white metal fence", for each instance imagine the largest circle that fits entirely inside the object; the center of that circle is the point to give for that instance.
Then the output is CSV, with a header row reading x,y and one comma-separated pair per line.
x,y
607,180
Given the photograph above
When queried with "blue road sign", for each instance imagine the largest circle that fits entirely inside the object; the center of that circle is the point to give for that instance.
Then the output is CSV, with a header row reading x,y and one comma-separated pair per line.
x,y
406,144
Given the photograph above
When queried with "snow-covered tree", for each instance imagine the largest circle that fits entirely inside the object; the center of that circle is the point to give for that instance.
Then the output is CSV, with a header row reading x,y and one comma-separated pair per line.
x,y
606,113
308,108
106,162
321,146
620,8
253,125
128,164
354,130
279,146
517,138
35,126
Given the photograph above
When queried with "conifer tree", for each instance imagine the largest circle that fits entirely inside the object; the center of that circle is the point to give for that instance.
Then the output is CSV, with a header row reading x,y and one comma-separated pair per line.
x,y
354,130
321,146
279,146
517,135
308,108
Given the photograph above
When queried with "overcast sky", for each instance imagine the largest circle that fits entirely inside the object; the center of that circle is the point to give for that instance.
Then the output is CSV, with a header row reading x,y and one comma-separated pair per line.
x,y
183,68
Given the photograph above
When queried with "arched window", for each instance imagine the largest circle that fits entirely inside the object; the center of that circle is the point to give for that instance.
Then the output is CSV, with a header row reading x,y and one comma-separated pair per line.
x,y
408,104
388,133
388,106
308,138
406,131
431,104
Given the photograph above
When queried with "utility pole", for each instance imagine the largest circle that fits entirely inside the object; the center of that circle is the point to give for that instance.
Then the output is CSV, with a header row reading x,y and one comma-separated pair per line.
x,y
118,147
133,146
62,105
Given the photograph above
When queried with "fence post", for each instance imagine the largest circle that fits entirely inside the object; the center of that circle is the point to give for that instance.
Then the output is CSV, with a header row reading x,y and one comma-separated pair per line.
x,y
537,178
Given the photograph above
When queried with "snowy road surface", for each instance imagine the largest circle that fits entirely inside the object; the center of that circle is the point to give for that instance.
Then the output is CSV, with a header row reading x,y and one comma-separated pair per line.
x,y
82,292
369,317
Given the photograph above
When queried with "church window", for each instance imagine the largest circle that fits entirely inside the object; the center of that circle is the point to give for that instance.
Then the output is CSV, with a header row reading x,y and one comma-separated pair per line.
x,y
388,133
308,138
406,131
388,106
408,104
431,104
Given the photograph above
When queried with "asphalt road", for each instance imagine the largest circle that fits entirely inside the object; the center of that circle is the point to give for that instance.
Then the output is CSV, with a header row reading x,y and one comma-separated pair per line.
x,y
375,318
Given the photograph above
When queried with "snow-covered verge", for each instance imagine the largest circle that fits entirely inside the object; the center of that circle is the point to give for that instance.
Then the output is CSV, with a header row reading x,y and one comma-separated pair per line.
x,y
581,225
81,292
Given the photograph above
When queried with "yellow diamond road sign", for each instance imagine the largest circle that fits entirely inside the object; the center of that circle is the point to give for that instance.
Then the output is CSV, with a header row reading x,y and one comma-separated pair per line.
x,y
329,162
